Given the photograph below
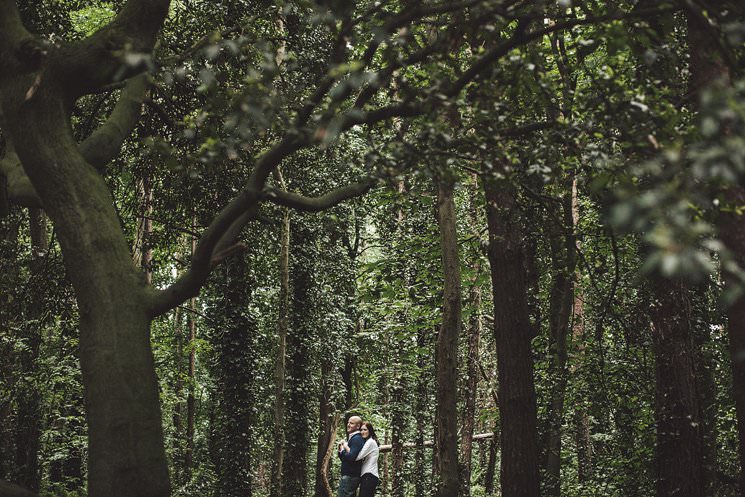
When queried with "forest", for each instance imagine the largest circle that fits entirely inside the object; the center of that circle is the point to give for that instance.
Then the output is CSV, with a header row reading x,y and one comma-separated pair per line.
x,y
509,234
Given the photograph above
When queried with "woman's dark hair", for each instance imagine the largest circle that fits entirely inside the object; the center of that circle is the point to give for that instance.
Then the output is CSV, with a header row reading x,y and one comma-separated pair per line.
x,y
371,430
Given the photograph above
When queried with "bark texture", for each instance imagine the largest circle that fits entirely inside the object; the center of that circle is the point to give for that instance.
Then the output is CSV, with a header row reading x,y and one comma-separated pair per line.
x,y
679,456
562,250
472,367
732,230
517,399
447,346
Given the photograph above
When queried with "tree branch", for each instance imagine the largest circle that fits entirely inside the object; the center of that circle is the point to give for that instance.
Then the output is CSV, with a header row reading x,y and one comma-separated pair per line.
x,y
12,38
522,37
106,141
188,284
317,204
101,58
98,149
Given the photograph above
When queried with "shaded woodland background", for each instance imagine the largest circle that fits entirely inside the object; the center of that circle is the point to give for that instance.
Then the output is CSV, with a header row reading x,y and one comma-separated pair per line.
x,y
457,218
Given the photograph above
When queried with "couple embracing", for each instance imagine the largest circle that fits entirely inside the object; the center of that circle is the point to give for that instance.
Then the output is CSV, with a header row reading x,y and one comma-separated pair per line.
x,y
359,460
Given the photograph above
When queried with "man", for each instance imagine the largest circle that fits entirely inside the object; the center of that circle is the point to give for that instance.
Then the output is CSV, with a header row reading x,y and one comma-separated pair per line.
x,y
350,466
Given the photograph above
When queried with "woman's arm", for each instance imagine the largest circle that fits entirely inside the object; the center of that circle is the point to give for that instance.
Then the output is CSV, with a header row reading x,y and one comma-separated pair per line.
x,y
367,449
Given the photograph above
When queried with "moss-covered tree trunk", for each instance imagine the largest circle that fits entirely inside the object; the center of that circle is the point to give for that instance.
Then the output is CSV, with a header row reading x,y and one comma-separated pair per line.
x,y
234,348
300,360
37,88
126,454
472,360
280,365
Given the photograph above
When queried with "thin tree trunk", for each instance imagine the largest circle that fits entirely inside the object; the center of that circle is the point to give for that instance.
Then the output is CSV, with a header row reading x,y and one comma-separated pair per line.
x,y
191,385
560,306
517,399
472,370
422,382
28,430
325,426
191,374
279,368
447,346
178,387
300,361
398,426
9,229
491,467
581,417
142,251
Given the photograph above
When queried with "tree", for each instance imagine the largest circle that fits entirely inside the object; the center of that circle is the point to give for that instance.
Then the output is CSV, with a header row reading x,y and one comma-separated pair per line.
x,y
512,332
227,107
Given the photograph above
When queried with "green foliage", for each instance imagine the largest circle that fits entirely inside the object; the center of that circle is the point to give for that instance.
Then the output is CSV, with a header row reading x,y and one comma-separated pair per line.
x,y
601,103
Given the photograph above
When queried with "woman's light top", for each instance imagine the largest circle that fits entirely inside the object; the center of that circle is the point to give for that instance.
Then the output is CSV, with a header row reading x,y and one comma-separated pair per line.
x,y
369,456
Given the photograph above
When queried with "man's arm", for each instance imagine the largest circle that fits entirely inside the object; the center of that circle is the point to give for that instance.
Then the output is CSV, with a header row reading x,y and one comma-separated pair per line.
x,y
355,446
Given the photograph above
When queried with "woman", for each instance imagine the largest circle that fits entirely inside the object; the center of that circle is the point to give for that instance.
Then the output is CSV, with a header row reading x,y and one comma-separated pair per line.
x,y
369,456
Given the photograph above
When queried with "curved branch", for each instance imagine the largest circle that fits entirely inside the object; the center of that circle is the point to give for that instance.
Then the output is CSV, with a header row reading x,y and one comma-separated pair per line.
x,y
104,143
188,284
98,149
522,37
101,58
13,37
317,204
272,158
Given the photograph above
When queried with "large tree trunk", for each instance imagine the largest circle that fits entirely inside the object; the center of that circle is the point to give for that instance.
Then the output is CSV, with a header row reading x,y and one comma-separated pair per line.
x,y
447,346
679,442
126,452
517,400
708,68
732,229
